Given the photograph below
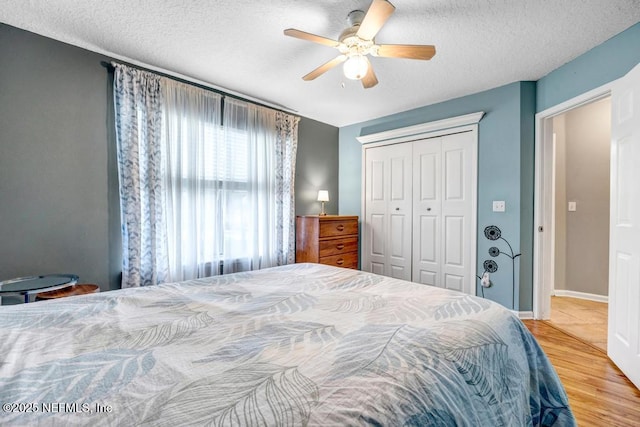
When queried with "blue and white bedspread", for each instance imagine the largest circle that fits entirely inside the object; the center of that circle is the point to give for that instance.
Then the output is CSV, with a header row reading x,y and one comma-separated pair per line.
x,y
303,344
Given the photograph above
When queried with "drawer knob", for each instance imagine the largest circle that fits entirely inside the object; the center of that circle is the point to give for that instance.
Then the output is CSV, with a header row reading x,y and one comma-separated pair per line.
x,y
340,261
340,227
340,247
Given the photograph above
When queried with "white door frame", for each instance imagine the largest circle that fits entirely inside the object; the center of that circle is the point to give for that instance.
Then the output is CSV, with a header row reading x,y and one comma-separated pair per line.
x,y
544,196
465,123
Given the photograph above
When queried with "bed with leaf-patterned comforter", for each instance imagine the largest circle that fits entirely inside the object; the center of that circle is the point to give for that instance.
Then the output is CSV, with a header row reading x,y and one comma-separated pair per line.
x,y
303,344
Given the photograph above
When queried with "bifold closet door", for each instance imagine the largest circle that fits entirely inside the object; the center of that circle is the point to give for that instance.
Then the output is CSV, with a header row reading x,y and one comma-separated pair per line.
x,y
427,211
443,191
388,211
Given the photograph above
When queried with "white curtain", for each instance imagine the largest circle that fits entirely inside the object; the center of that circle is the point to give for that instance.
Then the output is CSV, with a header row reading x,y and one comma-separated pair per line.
x,y
259,213
192,122
225,185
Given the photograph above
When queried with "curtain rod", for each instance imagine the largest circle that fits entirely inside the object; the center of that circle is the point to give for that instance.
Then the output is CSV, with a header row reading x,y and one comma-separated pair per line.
x,y
204,85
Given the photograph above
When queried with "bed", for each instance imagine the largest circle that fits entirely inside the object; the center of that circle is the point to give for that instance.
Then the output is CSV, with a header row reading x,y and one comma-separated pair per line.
x,y
303,344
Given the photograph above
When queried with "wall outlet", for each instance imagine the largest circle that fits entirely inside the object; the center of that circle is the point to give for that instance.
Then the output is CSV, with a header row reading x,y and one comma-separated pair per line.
x,y
486,280
499,206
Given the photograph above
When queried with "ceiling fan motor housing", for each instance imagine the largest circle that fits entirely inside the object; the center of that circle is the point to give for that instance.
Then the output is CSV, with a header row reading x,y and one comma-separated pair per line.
x,y
350,43
355,17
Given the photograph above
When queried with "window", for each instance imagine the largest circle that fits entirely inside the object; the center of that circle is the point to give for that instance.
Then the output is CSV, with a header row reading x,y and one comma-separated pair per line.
x,y
206,181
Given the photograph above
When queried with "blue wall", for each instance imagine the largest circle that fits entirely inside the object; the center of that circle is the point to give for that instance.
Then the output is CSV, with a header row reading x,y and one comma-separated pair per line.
x,y
499,168
505,152
602,64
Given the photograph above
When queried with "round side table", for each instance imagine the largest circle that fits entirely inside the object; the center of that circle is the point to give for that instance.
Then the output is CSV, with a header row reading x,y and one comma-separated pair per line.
x,y
35,284
80,289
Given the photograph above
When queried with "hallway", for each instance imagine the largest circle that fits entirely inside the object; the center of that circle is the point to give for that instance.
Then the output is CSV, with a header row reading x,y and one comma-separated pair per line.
x,y
583,319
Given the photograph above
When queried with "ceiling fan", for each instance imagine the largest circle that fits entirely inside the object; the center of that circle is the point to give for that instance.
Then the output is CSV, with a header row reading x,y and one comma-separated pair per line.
x,y
358,41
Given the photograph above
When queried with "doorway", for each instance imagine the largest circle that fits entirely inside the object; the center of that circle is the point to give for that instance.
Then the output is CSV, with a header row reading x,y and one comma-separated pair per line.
x,y
623,337
570,258
581,172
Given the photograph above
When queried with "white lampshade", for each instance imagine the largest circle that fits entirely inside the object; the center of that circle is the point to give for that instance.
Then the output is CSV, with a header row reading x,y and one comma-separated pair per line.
x,y
355,67
323,196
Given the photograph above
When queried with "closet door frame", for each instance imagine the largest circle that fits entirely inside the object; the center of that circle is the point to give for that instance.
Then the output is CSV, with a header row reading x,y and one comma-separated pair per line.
x,y
466,123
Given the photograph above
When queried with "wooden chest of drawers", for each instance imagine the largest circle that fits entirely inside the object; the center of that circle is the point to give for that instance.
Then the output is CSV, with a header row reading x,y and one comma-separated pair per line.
x,y
330,239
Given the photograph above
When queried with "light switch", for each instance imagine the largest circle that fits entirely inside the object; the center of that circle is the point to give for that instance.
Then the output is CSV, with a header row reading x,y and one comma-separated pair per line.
x,y
572,206
499,206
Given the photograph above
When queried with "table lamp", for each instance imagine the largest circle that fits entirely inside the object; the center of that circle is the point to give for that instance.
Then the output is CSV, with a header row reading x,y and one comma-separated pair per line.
x,y
323,196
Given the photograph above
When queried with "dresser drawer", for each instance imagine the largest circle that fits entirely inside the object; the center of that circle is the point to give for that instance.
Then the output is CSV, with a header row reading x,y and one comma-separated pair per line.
x,y
338,246
349,260
327,239
338,228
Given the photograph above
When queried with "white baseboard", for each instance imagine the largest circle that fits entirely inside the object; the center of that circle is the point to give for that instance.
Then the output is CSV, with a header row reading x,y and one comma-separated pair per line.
x,y
523,315
580,295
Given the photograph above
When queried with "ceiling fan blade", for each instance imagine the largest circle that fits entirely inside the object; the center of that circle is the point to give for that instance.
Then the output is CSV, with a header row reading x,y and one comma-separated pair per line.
x,y
377,15
291,32
325,67
369,80
406,51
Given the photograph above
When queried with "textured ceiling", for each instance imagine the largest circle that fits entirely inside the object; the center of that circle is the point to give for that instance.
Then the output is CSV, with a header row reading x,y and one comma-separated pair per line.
x,y
238,45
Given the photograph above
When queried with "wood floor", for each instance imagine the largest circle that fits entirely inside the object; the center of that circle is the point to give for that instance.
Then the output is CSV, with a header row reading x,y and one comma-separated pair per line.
x,y
599,394
586,320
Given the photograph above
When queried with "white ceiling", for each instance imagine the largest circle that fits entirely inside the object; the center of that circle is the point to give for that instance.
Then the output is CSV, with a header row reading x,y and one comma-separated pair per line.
x,y
238,45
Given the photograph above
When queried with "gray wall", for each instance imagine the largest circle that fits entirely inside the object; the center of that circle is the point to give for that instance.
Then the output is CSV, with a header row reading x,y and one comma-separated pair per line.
x,y
54,215
587,147
59,208
316,167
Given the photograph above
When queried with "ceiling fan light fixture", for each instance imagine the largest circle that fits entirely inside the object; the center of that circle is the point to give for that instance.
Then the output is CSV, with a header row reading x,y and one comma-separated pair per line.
x,y
356,67
358,41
